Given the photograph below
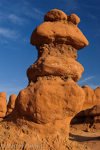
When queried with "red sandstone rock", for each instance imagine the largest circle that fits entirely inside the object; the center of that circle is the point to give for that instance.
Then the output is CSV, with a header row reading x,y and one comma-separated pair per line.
x,y
94,111
52,93
92,115
3,104
57,66
92,97
96,96
11,103
55,15
74,19
58,32
43,102
52,97
89,97
90,111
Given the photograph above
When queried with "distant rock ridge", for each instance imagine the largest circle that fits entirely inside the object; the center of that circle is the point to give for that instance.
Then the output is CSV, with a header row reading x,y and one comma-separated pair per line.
x,y
5,108
92,100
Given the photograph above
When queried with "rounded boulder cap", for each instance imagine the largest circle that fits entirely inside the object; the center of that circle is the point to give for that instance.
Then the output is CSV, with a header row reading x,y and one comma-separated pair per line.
x,y
55,15
74,19
85,86
3,94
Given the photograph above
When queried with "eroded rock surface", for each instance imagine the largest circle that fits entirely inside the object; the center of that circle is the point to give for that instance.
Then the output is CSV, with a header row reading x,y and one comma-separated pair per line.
x,y
3,104
11,103
52,97
90,108
60,29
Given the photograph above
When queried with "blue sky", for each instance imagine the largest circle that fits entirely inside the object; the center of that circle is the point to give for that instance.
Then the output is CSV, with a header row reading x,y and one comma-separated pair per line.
x,y
18,18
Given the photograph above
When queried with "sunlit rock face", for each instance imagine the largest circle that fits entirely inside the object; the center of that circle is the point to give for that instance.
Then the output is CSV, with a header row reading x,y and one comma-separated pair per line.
x,y
52,93
11,103
52,96
3,104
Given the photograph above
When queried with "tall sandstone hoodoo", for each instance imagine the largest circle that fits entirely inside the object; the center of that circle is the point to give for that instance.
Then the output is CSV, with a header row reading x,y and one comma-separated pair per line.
x,y
53,94
52,97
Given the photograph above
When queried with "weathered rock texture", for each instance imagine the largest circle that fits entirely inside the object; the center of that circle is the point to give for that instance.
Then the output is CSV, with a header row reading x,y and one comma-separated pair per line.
x,y
53,97
3,104
91,115
61,29
11,103
52,93
92,98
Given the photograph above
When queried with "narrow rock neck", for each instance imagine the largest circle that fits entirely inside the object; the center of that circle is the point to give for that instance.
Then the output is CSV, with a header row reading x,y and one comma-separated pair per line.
x,y
59,50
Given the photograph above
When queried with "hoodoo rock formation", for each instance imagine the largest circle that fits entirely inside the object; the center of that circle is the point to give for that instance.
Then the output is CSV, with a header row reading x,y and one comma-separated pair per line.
x,y
53,97
3,104
11,103
52,93
92,97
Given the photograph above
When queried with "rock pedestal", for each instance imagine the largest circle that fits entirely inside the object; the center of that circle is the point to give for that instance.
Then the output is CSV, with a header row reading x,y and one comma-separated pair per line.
x,y
53,94
53,97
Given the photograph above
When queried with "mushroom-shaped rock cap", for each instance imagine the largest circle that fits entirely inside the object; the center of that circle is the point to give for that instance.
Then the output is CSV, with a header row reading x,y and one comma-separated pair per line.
x,y
55,15
59,32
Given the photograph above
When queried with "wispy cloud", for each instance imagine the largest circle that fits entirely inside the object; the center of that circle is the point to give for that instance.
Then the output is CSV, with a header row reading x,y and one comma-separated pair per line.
x,y
25,79
70,5
11,34
91,6
92,16
15,19
20,9
86,79
93,86
34,13
31,11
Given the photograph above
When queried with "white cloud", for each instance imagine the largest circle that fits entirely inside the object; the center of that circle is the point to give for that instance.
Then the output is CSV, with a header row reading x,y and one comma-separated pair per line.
x,y
31,11
86,79
90,6
93,86
14,12
70,4
25,78
92,16
34,13
15,19
14,80
11,34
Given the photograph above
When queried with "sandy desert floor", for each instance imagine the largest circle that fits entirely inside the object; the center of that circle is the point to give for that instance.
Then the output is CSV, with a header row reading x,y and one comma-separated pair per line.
x,y
86,134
